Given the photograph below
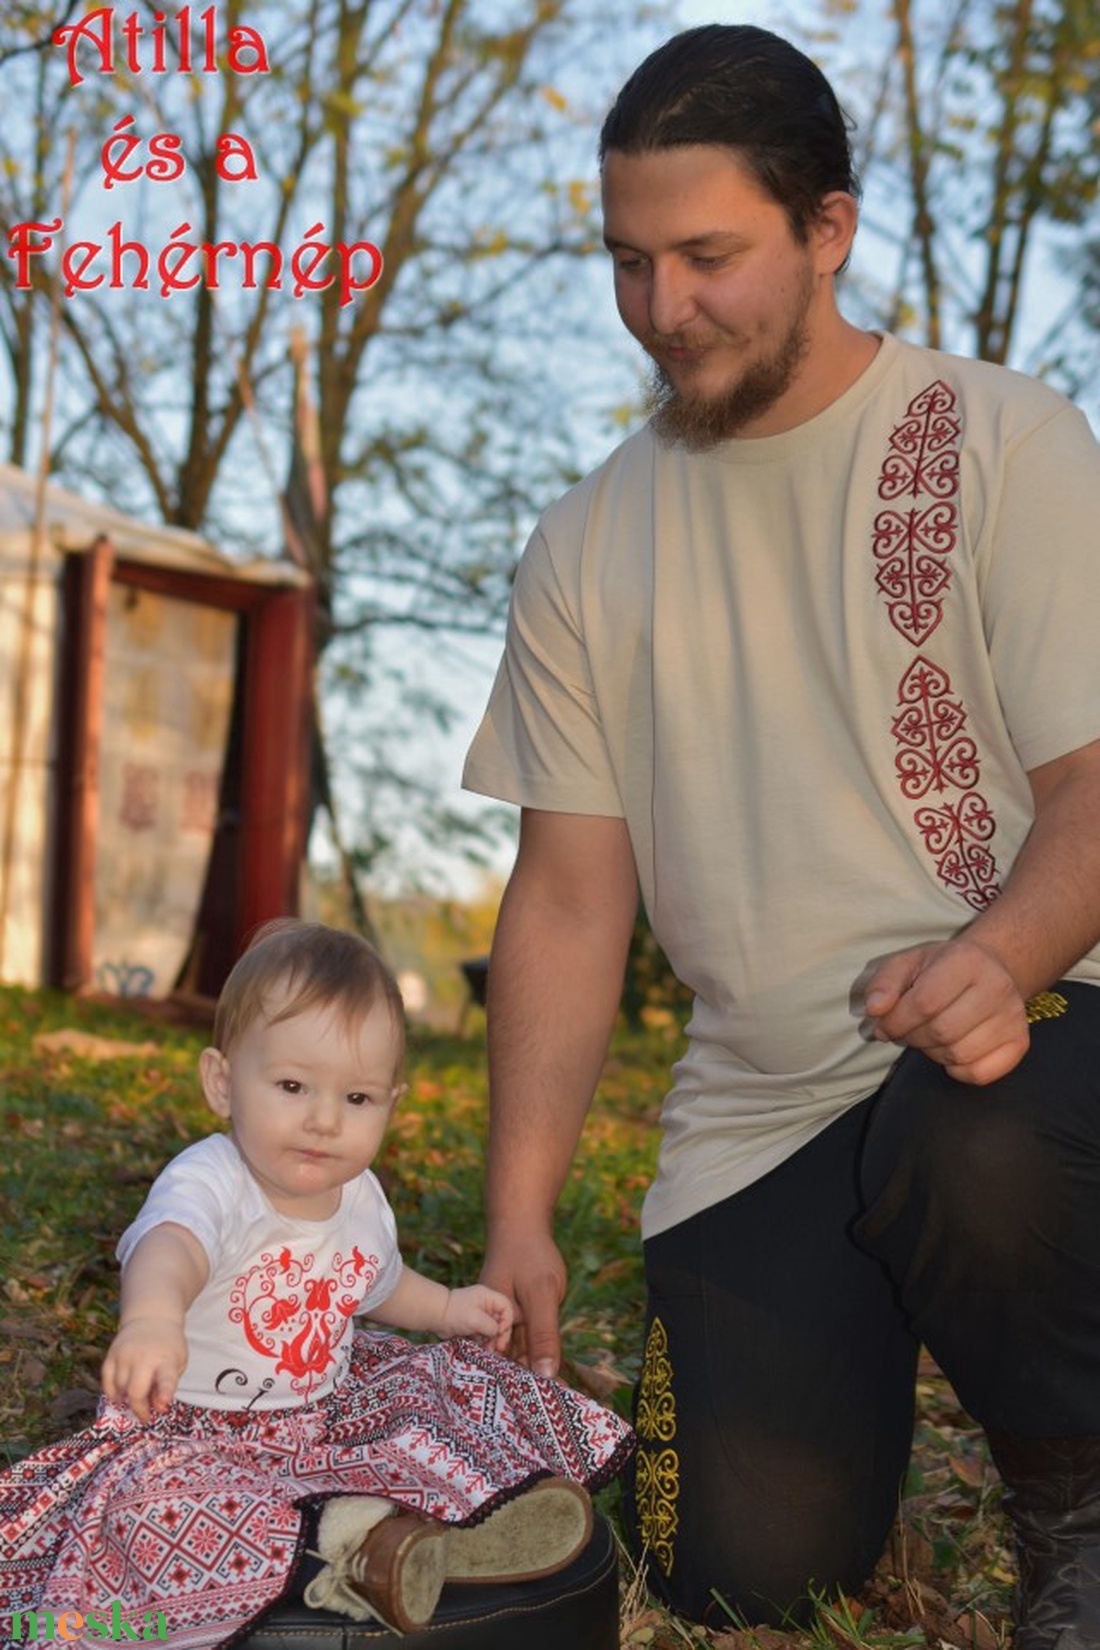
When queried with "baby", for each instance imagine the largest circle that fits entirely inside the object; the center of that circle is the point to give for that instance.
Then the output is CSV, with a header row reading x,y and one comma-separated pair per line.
x,y
236,1388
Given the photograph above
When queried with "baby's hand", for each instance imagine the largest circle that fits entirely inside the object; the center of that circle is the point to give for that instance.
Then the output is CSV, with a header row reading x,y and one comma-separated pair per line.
x,y
479,1311
143,1365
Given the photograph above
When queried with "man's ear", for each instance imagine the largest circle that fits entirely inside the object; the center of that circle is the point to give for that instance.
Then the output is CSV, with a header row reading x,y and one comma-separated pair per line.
x,y
834,230
214,1072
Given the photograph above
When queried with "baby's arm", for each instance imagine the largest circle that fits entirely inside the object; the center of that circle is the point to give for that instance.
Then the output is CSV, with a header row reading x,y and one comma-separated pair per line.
x,y
419,1303
147,1356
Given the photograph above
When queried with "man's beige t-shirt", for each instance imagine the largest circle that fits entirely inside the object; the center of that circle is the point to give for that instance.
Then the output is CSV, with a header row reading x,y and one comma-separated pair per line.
x,y
812,672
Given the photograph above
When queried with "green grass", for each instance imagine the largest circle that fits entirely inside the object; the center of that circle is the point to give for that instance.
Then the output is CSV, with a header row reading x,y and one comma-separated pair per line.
x,y
83,1137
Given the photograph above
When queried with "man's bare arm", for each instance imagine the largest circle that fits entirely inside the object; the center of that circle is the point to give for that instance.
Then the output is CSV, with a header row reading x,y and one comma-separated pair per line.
x,y
555,980
963,1001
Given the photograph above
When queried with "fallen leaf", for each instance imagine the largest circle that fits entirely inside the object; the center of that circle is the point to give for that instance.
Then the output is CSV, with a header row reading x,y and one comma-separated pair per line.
x,y
614,1270
13,1329
909,1555
752,1638
597,1380
976,1632
91,1047
969,1470
74,1404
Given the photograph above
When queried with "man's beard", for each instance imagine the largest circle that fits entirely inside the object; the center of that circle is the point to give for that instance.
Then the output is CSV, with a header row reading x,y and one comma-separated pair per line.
x,y
697,421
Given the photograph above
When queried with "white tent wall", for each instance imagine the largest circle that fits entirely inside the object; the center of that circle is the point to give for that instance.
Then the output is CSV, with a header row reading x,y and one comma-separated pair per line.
x,y
28,629
168,695
168,675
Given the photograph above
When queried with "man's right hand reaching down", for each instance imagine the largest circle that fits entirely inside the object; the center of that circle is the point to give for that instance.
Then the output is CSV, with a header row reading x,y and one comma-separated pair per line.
x,y
530,1269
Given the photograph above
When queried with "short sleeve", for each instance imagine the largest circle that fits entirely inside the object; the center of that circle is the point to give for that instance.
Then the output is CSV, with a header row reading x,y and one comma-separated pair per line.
x,y
196,1191
541,743
373,1223
1039,576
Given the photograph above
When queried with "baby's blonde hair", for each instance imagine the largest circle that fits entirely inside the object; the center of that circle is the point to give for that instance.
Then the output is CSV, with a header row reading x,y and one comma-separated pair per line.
x,y
313,964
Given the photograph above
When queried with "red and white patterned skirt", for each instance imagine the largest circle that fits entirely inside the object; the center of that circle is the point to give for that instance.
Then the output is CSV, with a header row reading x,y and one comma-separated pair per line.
x,y
197,1514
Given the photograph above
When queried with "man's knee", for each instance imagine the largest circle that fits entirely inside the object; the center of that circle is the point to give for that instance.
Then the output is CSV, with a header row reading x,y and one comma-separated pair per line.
x,y
984,1207
957,1175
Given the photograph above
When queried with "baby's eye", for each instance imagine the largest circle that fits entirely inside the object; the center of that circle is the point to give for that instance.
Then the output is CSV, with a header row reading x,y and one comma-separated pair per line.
x,y
290,1085
360,1097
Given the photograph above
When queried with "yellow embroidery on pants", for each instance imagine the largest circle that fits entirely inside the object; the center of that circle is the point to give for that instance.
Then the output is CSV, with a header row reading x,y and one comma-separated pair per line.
x,y
1048,1005
657,1469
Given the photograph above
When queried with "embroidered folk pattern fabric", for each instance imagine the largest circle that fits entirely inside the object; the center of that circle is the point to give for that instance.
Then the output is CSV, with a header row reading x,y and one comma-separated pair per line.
x,y
937,762
197,1513
657,1484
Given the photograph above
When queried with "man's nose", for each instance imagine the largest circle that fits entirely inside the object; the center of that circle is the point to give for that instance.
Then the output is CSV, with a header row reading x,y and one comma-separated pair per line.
x,y
671,298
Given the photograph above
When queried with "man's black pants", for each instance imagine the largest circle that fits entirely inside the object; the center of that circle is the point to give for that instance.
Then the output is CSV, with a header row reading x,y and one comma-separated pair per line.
x,y
775,1409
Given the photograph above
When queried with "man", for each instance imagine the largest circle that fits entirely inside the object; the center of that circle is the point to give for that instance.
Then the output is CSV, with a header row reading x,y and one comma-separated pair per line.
x,y
813,657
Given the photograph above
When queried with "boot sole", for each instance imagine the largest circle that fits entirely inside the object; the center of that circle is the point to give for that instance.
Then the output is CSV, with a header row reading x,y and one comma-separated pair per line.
x,y
538,1533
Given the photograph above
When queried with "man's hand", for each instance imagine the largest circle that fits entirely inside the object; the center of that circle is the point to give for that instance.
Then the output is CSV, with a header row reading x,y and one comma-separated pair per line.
x,y
531,1271
143,1365
956,1002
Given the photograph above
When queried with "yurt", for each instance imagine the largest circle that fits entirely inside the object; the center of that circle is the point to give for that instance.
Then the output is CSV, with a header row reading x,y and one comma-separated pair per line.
x,y
154,747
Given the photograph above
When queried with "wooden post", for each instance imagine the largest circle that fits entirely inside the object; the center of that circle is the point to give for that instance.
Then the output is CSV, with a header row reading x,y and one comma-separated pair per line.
x,y
275,758
85,581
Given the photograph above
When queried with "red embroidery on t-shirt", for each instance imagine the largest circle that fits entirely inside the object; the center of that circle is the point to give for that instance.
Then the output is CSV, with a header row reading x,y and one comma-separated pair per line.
x,y
924,448
935,750
912,543
912,548
955,834
297,1319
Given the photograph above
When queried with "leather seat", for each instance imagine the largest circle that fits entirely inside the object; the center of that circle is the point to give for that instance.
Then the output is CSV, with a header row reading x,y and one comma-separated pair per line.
x,y
578,1608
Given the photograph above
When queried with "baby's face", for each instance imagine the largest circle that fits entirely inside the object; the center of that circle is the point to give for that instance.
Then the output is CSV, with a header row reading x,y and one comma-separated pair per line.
x,y
308,1100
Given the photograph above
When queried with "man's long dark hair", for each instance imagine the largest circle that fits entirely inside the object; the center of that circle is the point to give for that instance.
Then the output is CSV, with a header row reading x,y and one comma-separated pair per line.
x,y
745,89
